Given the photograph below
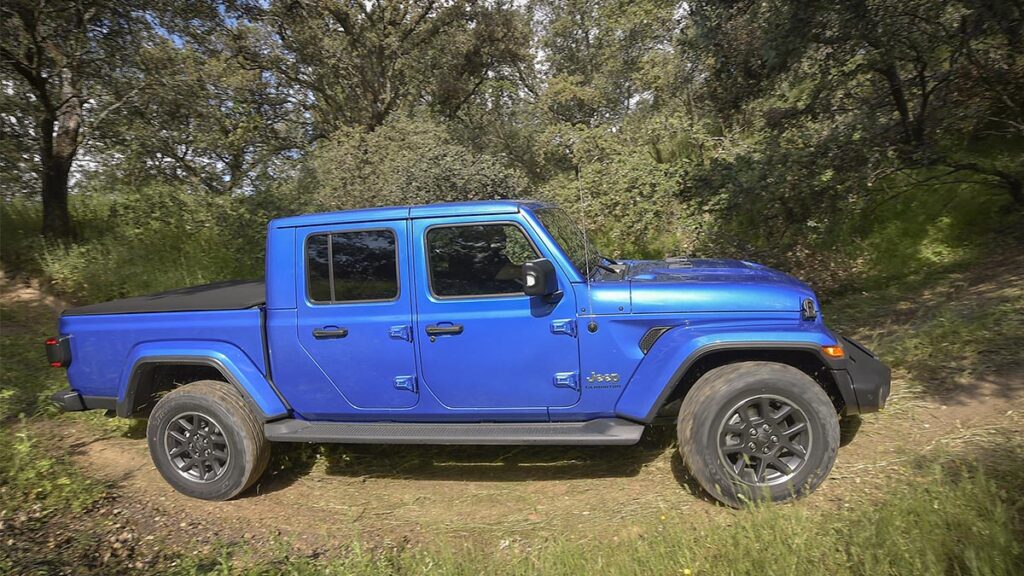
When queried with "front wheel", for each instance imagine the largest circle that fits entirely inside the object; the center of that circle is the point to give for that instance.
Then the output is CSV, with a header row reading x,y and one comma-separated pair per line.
x,y
206,442
758,431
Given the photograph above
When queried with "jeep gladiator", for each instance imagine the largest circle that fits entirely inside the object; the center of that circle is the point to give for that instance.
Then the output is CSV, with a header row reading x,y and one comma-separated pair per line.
x,y
474,323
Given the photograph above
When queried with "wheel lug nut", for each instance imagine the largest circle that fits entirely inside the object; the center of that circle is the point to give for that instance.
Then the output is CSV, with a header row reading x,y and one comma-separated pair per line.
x,y
753,432
752,446
775,439
766,450
766,428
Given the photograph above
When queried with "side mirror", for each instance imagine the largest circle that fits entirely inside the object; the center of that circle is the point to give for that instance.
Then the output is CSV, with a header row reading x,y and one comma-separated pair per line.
x,y
539,278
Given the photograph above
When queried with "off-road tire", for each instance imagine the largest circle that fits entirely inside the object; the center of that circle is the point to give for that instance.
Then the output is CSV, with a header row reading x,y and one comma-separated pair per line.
x,y
710,404
221,404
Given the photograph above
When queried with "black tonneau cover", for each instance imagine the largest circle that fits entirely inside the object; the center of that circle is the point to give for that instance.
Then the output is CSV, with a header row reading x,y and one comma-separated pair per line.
x,y
227,295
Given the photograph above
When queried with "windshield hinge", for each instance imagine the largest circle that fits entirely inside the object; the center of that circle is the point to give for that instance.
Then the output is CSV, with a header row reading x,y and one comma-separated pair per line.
x,y
567,327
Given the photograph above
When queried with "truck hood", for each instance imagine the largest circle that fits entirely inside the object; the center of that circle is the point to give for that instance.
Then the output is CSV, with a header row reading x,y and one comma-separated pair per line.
x,y
712,285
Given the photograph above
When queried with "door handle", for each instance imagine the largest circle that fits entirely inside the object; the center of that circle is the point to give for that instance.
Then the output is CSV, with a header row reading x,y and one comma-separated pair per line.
x,y
444,330
330,332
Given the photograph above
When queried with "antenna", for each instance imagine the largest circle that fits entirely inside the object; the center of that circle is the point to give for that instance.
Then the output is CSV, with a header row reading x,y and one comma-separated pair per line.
x,y
586,243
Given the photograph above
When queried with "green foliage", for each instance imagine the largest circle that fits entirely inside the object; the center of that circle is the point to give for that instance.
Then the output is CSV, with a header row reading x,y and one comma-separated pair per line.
x,y
137,241
31,479
912,229
830,141
356,65
943,328
405,161
23,385
629,200
19,235
870,148
959,522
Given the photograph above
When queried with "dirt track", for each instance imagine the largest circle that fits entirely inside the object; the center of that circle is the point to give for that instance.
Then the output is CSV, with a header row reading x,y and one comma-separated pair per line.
x,y
318,498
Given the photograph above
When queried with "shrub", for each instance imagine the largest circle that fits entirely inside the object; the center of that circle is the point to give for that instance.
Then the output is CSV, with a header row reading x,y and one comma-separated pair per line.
x,y
408,160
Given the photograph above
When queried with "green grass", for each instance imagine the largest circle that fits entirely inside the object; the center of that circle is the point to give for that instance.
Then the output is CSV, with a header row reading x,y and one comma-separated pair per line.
x,y
944,327
152,239
946,522
25,380
31,479
38,492
953,517
955,315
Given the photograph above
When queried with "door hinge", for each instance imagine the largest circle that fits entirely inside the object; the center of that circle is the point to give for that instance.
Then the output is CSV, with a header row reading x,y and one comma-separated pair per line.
x,y
567,327
403,332
567,380
405,383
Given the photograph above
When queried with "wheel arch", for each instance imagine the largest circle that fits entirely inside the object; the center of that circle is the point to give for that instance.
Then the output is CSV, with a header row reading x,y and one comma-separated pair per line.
x,y
806,359
155,368
675,363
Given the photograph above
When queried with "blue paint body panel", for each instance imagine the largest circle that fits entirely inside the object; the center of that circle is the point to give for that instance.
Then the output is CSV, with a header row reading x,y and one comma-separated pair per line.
x,y
223,355
508,356
685,342
105,348
519,358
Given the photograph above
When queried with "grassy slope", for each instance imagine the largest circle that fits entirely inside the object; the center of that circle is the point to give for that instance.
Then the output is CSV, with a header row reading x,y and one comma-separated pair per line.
x,y
955,513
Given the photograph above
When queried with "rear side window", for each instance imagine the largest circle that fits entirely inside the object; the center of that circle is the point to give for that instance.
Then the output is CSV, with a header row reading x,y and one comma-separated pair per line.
x,y
477,260
352,266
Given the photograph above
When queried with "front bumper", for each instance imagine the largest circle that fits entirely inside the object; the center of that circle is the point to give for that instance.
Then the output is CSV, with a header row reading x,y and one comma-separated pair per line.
x,y
866,381
71,401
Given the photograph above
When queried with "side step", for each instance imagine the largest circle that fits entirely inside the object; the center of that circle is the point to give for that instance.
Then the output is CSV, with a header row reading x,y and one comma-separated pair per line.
x,y
603,431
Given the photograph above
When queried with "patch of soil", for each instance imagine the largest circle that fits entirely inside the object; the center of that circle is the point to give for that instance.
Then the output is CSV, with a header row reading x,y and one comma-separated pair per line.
x,y
318,499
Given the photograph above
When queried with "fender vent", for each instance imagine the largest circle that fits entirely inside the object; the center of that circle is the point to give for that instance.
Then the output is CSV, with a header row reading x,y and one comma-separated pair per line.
x,y
651,337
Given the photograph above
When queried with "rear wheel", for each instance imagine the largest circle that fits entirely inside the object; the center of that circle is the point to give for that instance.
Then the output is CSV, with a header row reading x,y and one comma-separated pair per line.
x,y
758,431
206,442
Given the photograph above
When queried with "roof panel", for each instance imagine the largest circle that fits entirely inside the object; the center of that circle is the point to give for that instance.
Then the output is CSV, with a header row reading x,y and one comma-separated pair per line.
x,y
402,212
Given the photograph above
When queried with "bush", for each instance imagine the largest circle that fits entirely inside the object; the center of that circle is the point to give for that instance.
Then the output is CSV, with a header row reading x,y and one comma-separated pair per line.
x,y
19,235
405,161
135,241
629,203
29,478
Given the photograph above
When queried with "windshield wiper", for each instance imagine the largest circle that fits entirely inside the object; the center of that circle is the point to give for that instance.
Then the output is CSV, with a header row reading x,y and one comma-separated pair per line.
x,y
607,259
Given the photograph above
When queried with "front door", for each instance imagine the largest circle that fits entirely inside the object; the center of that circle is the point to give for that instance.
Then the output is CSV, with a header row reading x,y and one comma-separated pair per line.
x,y
483,343
355,320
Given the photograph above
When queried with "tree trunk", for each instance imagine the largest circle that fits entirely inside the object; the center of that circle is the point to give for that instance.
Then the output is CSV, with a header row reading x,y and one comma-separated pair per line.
x,y
1016,189
59,139
56,217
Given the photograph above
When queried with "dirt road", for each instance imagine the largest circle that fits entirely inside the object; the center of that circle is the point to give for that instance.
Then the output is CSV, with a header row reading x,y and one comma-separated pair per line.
x,y
317,498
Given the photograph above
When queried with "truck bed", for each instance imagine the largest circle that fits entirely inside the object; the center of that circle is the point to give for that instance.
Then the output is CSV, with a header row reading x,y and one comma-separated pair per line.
x,y
227,295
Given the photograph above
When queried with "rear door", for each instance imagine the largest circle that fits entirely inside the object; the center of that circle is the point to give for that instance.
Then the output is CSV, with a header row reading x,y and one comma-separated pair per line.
x,y
484,344
355,318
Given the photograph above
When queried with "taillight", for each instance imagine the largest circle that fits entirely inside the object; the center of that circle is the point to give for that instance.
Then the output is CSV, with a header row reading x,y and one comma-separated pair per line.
x,y
58,352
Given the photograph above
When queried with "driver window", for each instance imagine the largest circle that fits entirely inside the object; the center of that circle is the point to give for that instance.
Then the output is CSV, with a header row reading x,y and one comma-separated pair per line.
x,y
477,260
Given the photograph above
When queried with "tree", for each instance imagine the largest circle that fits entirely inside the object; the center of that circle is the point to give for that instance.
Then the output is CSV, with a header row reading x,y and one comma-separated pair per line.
x,y
603,60
59,54
927,87
407,160
203,120
356,63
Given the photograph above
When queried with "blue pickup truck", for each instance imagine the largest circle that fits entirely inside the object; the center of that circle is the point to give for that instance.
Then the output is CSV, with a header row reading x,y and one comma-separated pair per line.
x,y
474,323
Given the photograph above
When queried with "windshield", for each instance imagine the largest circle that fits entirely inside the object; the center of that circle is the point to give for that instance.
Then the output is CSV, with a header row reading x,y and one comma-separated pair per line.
x,y
570,238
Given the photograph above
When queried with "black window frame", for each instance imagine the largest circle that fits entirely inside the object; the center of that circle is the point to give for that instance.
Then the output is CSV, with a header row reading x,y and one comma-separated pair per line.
x,y
430,269
330,267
